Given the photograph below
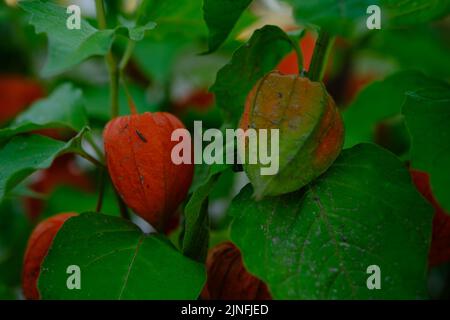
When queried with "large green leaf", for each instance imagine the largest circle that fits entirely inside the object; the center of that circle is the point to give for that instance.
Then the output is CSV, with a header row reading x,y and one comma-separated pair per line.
x,y
378,101
62,109
411,12
23,155
67,47
182,19
117,261
427,115
347,17
336,17
319,242
220,17
180,31
249,63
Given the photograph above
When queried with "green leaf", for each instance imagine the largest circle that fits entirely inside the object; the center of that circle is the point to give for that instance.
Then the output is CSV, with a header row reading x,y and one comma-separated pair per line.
x,y
180,31
427,115
67,48
137,33
378,101
220,17
225,186
336,17
23,155
117,261
317,243
196,227
203,173
249,63
182,19
411,12
345,18
14,231
133,30
64,108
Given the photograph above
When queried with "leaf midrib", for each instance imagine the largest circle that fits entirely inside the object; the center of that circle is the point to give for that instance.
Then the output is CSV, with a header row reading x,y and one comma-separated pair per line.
x,y
127,276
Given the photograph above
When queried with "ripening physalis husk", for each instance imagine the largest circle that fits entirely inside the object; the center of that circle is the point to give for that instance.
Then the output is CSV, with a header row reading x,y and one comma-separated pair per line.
x,y
311,131
38,245
138,154
228,279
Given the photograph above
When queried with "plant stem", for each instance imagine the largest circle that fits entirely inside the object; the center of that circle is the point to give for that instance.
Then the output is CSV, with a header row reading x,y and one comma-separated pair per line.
x,y
122,65
131,104
127,55
113,85
111,62
90,158
100,10
122,207
320,56
115,71
101,191
94,146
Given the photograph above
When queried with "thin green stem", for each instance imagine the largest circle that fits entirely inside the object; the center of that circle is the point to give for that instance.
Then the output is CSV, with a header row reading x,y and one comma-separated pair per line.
x,y
101,18
127,54
113,85
131,104
90,158
122,207
320,56
101,191
111,62
122,65
115,72
94,146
